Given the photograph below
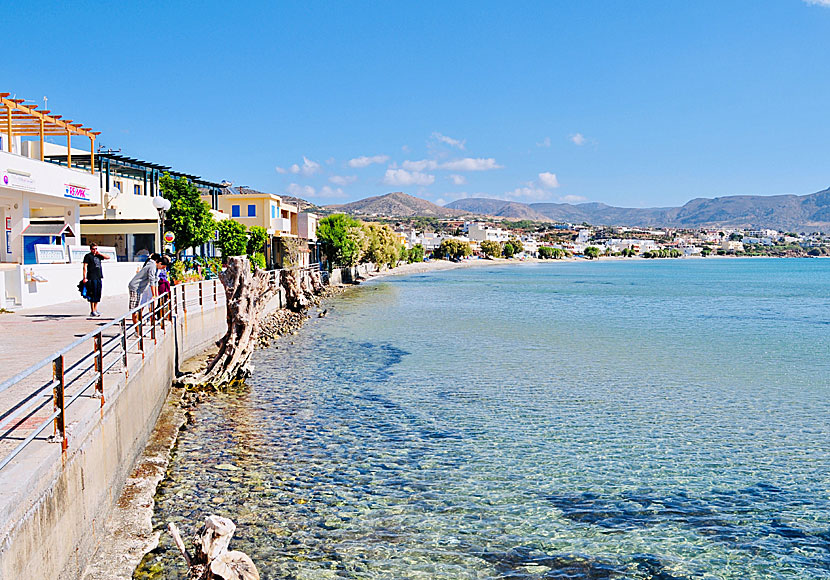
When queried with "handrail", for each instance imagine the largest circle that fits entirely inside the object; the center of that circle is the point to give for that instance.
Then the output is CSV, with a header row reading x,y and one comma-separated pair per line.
x,y
48,360
107,352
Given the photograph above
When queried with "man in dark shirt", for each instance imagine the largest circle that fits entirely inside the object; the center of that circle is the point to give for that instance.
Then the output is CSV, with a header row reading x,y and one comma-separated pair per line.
x,y
93,278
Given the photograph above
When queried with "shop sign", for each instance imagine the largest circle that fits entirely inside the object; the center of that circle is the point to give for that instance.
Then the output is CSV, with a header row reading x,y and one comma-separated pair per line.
x,y
15,180
76,192
8,234
49,254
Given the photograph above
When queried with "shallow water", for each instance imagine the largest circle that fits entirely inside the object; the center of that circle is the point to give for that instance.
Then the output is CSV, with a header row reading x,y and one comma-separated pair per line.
x,y
645,419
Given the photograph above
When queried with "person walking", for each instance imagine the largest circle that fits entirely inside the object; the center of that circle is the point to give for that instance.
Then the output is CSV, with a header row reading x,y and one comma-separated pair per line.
x,y
146,277
94,278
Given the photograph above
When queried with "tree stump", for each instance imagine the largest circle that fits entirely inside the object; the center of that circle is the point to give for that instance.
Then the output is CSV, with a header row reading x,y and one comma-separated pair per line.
x,y
213,560
247,295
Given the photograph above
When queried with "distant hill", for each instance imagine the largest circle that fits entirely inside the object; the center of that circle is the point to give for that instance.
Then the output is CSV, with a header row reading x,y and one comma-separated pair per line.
x,y
498,207
783,212
395,205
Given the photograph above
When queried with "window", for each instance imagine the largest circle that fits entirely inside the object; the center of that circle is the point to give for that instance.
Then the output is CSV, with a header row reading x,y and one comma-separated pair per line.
x,y
117,185
273,211
234,211
252,211
136,189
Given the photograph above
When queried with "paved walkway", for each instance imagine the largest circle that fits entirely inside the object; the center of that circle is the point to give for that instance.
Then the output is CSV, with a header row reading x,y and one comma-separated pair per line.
x,y
29,335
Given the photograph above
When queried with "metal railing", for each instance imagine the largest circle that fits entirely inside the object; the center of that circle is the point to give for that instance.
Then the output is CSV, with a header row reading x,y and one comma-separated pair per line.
x,y
73,375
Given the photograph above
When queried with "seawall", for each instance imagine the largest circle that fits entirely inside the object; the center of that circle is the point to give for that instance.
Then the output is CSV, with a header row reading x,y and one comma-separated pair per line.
x,y
54,503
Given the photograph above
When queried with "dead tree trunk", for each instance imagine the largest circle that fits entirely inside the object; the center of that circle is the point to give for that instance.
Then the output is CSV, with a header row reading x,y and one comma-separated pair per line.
x,y
296,298
213,560
247,295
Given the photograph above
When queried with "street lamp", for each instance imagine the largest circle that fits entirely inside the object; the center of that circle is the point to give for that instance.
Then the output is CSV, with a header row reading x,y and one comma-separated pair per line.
x,y
162,205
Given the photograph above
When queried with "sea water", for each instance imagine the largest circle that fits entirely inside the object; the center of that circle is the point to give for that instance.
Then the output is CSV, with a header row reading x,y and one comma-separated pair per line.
x,y
661,419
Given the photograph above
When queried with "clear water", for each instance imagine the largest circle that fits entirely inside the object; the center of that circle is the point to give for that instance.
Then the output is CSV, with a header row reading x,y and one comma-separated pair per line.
x,y
659,419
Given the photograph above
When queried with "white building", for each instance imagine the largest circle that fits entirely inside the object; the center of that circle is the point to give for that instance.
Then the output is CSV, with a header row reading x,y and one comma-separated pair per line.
x,y
478,232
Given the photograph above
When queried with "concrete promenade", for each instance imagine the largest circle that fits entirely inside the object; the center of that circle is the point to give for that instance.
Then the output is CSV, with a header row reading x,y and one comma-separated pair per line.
x,y
55,502
29,335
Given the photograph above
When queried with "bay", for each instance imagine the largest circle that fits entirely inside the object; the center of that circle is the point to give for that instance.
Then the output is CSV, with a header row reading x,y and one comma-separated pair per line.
x,y
622,419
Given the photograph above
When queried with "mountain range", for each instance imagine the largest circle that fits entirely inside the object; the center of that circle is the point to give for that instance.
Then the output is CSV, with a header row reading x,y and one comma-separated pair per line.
x,y
395,204
783,212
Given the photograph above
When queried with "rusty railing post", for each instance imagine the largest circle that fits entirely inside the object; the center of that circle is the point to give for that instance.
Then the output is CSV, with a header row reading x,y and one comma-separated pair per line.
x,y
184,298
163,307
57,400
141,330
124,346
99,365
153,305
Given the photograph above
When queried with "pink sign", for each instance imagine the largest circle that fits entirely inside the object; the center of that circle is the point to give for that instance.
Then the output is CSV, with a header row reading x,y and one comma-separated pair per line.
x,y
75,192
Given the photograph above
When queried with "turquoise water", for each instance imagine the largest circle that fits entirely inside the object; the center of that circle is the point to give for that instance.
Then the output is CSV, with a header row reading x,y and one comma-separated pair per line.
x,y
644,419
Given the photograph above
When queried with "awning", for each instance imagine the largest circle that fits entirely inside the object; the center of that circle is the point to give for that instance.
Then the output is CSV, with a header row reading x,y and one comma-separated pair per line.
x,y
48,230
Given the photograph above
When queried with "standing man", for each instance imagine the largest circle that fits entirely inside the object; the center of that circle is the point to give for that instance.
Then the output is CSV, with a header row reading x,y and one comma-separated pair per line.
x,y
147,276
93,277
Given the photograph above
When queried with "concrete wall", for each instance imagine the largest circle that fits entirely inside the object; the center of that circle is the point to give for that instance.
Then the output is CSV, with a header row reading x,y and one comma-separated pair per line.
x,y
349,275
54,505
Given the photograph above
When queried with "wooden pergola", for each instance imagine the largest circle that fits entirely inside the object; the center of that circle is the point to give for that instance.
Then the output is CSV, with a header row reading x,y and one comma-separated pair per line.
x,y
17,119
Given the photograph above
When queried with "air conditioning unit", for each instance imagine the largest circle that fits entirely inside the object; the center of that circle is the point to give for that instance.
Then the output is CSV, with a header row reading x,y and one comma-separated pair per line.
x,y
111,214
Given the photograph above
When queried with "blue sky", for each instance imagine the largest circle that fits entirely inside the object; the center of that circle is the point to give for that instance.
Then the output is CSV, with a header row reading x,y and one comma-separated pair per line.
x,y
626,102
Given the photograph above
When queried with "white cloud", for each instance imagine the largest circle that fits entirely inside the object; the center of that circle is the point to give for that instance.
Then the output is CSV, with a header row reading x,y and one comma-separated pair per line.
x,y
548,180
458,179
819,2
327,191
470,164
578,139
300,190
572,199
440,201
544,143
308,168
404,177
457,143
364,161
421,165
343,180
465,164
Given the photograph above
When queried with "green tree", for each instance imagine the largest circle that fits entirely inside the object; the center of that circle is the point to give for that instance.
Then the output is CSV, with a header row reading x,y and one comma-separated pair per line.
x,y
508,250
416,254
257,236
518,247
189,218
490,248
591,252
452,249
382,246
232,238
343,239
403,255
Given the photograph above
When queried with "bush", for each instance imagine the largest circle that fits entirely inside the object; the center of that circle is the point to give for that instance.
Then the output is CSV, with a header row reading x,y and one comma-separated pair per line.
x,y
232,238
508,250
258,261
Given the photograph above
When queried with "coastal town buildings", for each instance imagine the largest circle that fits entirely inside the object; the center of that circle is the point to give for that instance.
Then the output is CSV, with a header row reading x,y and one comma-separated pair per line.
x,y
267,210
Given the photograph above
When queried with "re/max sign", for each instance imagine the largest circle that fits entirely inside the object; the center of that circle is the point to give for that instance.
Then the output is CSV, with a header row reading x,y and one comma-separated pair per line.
x,y
75,192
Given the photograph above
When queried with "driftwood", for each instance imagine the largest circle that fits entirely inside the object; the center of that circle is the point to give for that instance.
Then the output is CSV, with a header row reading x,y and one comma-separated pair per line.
x,y
213,560
247,295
